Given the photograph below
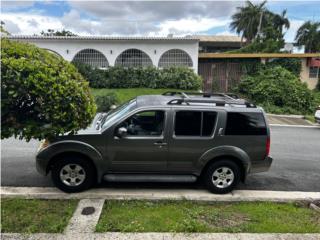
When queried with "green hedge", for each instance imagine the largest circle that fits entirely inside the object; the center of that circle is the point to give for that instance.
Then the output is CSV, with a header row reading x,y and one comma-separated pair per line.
x,y
277,89
150,77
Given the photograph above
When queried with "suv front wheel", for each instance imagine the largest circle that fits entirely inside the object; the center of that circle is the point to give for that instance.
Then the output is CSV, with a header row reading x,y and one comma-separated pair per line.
x,y
222,176
73,174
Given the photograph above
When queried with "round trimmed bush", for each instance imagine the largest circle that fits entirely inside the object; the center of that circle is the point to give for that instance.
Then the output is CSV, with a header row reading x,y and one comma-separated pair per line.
x,y
42,94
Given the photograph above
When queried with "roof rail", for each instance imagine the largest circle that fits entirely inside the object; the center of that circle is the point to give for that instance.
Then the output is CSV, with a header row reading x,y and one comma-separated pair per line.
x,y
204,94
217,102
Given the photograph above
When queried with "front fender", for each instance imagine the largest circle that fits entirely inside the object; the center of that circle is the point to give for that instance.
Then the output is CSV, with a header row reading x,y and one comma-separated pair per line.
x,y
225,151
72,146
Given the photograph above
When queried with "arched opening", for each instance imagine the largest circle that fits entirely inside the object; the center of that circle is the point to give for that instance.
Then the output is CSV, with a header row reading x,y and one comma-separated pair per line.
x,y
53,52
91,57
175,57
133,58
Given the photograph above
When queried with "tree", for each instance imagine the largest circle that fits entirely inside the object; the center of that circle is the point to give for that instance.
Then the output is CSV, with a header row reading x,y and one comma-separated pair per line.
x,y
42,95
280,21
262,28
309,36
2,30
247,19
51,32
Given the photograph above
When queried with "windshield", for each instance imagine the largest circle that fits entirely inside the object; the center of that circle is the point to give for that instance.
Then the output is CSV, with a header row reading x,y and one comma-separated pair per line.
x,y
118,113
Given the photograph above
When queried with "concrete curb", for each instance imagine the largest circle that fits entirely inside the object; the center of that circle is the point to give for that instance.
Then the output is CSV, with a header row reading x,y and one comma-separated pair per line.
x,y
159,194
162,236
294,126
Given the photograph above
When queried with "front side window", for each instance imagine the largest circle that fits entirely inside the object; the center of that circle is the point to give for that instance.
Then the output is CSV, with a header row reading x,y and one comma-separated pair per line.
x,y
245,124
189,123
145,123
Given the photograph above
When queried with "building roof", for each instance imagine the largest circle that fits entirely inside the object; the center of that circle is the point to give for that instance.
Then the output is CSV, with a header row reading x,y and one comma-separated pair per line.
x,y
218,38
118,38
258,55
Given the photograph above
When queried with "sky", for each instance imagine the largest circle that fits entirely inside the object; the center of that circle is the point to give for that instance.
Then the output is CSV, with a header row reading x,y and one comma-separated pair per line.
x,y
141,18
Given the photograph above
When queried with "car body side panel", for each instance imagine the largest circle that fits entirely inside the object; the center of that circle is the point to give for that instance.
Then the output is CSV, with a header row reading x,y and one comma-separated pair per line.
x,y
44,156
224,151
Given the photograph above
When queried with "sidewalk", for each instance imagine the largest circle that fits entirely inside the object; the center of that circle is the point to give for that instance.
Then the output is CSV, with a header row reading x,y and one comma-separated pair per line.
x,y
293,120
162,236
82,226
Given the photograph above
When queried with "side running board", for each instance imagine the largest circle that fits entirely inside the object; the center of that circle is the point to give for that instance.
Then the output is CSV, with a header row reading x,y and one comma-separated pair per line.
x,y
149,178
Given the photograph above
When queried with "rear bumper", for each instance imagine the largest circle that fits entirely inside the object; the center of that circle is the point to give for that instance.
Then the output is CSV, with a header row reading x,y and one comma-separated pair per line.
x,y
261,166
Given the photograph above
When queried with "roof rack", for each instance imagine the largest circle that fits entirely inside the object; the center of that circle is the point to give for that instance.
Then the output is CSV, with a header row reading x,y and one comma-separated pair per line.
x,y
221,99
203,94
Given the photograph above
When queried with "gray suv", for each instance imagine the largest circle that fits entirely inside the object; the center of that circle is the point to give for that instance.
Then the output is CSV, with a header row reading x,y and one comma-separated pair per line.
x,y
174,137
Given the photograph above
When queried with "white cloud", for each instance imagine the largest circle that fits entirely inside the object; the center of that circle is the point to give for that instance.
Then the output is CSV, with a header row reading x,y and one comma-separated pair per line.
x,y
29,24
291,33
188,26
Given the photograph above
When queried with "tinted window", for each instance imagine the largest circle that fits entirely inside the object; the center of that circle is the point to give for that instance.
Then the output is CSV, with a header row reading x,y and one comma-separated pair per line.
x,y
190,123
245,124
209,119
146,123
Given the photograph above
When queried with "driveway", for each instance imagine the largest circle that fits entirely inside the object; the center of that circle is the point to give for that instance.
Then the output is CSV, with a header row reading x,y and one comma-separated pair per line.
x,y
296,167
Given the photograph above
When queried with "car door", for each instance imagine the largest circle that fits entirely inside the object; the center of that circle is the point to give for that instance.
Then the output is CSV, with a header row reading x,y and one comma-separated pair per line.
x,y
144,147
191,135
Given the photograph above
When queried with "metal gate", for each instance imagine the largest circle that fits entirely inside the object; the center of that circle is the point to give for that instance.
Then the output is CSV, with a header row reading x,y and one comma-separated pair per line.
x,y
220,76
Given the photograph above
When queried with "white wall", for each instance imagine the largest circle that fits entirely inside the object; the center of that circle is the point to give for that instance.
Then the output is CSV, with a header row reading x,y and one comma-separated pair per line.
x,y
68,48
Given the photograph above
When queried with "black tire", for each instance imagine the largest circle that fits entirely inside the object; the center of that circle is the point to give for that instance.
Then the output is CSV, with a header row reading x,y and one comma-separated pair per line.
x,y
87,166
208,176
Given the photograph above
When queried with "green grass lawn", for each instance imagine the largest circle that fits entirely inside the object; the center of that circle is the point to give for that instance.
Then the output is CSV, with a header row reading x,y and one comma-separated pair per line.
x,y
125,94
186,216
32,216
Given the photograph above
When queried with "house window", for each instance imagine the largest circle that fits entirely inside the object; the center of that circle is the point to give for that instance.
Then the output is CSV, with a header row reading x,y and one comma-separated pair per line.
x,y
133,58
313,72
91,57
175,57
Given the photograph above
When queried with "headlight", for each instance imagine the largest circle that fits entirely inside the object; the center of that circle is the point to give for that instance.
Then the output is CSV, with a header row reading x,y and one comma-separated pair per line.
x,y
43,144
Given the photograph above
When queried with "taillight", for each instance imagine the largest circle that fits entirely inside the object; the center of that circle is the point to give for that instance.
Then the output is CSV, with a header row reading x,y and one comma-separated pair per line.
x,y
268,146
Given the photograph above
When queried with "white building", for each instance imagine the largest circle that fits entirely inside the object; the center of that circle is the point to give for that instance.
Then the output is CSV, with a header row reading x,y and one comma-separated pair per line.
x,y
121,51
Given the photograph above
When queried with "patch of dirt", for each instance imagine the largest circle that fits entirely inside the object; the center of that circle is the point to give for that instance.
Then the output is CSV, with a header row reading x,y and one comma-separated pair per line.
x,y
224,220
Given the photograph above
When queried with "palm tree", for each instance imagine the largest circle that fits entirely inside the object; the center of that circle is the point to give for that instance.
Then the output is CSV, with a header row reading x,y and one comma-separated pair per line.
x,y
309,36
247,20
280,21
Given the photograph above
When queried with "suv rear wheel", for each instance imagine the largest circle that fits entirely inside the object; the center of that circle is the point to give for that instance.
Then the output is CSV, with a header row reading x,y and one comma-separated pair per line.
x,y
222,176
73,174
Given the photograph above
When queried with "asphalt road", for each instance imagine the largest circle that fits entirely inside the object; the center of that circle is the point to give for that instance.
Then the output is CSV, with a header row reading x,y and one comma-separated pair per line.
x,y
296,166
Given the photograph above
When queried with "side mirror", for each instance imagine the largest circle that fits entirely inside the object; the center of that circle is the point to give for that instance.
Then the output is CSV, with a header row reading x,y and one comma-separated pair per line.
x,y
122,132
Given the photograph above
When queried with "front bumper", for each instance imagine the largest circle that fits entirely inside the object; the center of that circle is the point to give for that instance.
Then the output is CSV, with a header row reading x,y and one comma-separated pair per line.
x,y
317,119
261,166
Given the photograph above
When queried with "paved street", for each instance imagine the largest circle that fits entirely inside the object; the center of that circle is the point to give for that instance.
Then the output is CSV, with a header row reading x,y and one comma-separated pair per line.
x,y
296,166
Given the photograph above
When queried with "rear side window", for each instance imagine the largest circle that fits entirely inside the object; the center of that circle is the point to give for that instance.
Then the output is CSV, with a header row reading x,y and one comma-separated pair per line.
x,y
189,123
245,124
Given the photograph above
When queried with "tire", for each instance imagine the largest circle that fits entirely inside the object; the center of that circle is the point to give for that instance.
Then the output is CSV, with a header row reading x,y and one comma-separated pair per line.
x,y
73,174
218,175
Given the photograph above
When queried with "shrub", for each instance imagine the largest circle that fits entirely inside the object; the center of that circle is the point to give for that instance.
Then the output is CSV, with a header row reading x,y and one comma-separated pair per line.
x,y
291,64
275,88
104,102
42,94
150,77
